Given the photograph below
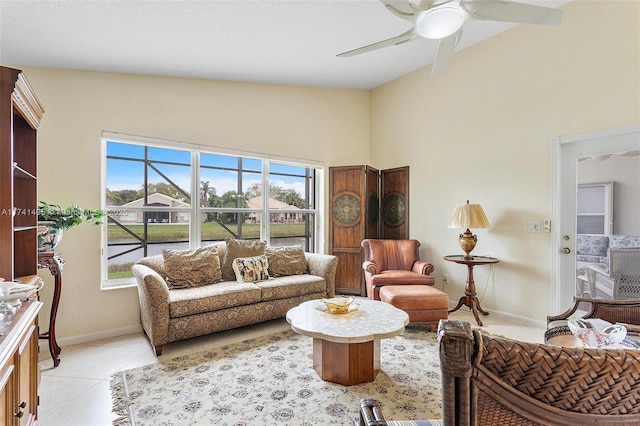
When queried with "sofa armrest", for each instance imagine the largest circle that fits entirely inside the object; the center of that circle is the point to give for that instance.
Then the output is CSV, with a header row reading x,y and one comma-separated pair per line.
x,y
323,265
371,267
422,267
153,294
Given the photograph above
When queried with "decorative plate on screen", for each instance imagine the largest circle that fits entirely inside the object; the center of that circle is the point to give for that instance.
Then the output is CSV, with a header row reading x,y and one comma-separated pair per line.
x,y
346,209
393,209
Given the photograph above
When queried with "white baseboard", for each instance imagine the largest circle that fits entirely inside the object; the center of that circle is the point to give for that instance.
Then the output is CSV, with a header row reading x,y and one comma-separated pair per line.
x,y
522,320
515,318
85,338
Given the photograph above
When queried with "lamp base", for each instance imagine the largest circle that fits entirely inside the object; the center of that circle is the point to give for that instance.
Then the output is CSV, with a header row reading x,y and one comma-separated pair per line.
x,y
468,243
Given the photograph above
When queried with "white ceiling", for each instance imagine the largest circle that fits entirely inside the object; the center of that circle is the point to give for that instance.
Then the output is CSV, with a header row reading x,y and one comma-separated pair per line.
x,y
265,41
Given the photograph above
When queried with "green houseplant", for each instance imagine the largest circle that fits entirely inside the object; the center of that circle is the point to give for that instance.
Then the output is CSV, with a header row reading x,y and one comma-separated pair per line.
x,y
53,220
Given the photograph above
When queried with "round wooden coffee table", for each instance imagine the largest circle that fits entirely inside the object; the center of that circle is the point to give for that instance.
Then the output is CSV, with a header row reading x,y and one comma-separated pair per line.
x,y
346,347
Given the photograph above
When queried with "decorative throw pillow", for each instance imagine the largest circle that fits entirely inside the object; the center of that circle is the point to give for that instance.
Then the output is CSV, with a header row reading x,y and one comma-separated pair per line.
x,y
191,267
239,248
285,261
251,269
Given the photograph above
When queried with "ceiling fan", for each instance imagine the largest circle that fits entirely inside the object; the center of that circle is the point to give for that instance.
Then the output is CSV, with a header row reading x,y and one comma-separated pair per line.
x,y
443,20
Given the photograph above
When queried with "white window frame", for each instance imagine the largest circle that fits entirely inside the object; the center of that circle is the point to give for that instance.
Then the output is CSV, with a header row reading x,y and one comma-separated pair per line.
x,y
607,208
196,210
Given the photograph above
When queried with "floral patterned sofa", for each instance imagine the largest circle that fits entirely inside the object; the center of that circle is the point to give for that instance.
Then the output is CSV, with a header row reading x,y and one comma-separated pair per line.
x,y
172,310
593,249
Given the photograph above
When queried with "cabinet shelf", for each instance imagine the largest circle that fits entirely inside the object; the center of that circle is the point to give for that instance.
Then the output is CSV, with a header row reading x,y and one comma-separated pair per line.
x,y
23,228
21,173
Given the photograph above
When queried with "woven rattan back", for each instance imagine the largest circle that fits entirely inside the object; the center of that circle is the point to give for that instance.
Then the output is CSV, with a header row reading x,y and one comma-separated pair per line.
x,y
508,382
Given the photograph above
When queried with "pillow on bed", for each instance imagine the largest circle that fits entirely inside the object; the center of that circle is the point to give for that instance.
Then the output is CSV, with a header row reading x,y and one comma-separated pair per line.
x,y
191,267
285,261
239,248
251,269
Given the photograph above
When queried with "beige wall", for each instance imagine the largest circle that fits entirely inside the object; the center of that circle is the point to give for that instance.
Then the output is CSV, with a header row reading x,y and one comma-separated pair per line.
x,y
326,125
482,131
479,131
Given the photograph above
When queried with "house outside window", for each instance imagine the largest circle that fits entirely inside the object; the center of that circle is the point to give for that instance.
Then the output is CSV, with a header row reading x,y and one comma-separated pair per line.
x,y
147,195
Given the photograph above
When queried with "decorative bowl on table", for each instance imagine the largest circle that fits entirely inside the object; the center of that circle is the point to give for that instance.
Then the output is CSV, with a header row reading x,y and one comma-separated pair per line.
x,y
597,333
338,305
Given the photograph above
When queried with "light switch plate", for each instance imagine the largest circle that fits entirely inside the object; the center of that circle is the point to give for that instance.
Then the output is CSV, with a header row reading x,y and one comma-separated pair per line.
x,y
533,226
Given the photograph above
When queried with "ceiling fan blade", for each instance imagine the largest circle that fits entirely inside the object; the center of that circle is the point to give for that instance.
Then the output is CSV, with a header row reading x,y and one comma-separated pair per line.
x,y
400,8
508,11
445,51
402,38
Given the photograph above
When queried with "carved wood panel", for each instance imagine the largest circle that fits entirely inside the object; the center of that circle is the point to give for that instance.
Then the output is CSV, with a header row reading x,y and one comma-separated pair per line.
x,y
363,205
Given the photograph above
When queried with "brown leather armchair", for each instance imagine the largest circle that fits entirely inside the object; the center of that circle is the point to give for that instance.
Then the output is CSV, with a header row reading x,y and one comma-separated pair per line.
x,y
393,262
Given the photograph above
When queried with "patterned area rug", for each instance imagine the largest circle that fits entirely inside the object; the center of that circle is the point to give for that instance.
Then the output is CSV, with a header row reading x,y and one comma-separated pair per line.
x,y
271,380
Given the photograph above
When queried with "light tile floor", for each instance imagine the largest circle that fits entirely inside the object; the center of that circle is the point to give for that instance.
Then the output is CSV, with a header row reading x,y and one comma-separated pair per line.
x,y
76,393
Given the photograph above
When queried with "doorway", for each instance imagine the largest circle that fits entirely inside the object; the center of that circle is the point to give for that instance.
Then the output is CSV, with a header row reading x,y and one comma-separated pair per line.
x,y
568,152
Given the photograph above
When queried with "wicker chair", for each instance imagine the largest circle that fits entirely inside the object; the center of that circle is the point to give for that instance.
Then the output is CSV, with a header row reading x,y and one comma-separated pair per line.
x,y
491,380
622,279
614,311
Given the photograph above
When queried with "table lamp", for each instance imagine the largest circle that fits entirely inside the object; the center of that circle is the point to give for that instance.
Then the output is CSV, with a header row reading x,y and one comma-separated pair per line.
x,y
468,216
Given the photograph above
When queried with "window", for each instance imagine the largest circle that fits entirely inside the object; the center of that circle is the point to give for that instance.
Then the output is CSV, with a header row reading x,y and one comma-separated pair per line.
x,y
148,197
595,208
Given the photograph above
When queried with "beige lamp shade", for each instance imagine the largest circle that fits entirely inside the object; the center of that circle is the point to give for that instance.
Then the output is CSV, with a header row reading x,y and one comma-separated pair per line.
x,y
468,216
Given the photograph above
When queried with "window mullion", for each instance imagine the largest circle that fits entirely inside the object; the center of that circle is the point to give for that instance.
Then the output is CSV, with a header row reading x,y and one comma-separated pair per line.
x,y
265,223
195,226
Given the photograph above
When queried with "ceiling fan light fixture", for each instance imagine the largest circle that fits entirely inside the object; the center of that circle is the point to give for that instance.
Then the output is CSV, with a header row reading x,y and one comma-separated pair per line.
x,y
440,22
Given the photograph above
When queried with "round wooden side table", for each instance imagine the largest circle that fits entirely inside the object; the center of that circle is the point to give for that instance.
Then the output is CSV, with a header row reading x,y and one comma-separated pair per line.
x,y
470,298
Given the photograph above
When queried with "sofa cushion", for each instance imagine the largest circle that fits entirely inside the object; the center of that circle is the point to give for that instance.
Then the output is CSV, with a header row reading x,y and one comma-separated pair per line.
x,y
251,269
213,297
592,245
624,241
239,248
291,286
285,261
191,267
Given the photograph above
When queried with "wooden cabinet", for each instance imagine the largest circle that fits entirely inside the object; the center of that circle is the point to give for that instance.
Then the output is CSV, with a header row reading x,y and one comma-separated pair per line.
x,y
20,115
364,203
19,366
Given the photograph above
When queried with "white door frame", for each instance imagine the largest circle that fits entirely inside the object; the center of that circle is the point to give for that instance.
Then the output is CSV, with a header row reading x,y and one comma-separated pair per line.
x,y
560,297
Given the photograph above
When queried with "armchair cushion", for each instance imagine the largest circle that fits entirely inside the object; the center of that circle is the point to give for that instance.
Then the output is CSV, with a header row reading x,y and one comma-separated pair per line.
x,y
396,277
